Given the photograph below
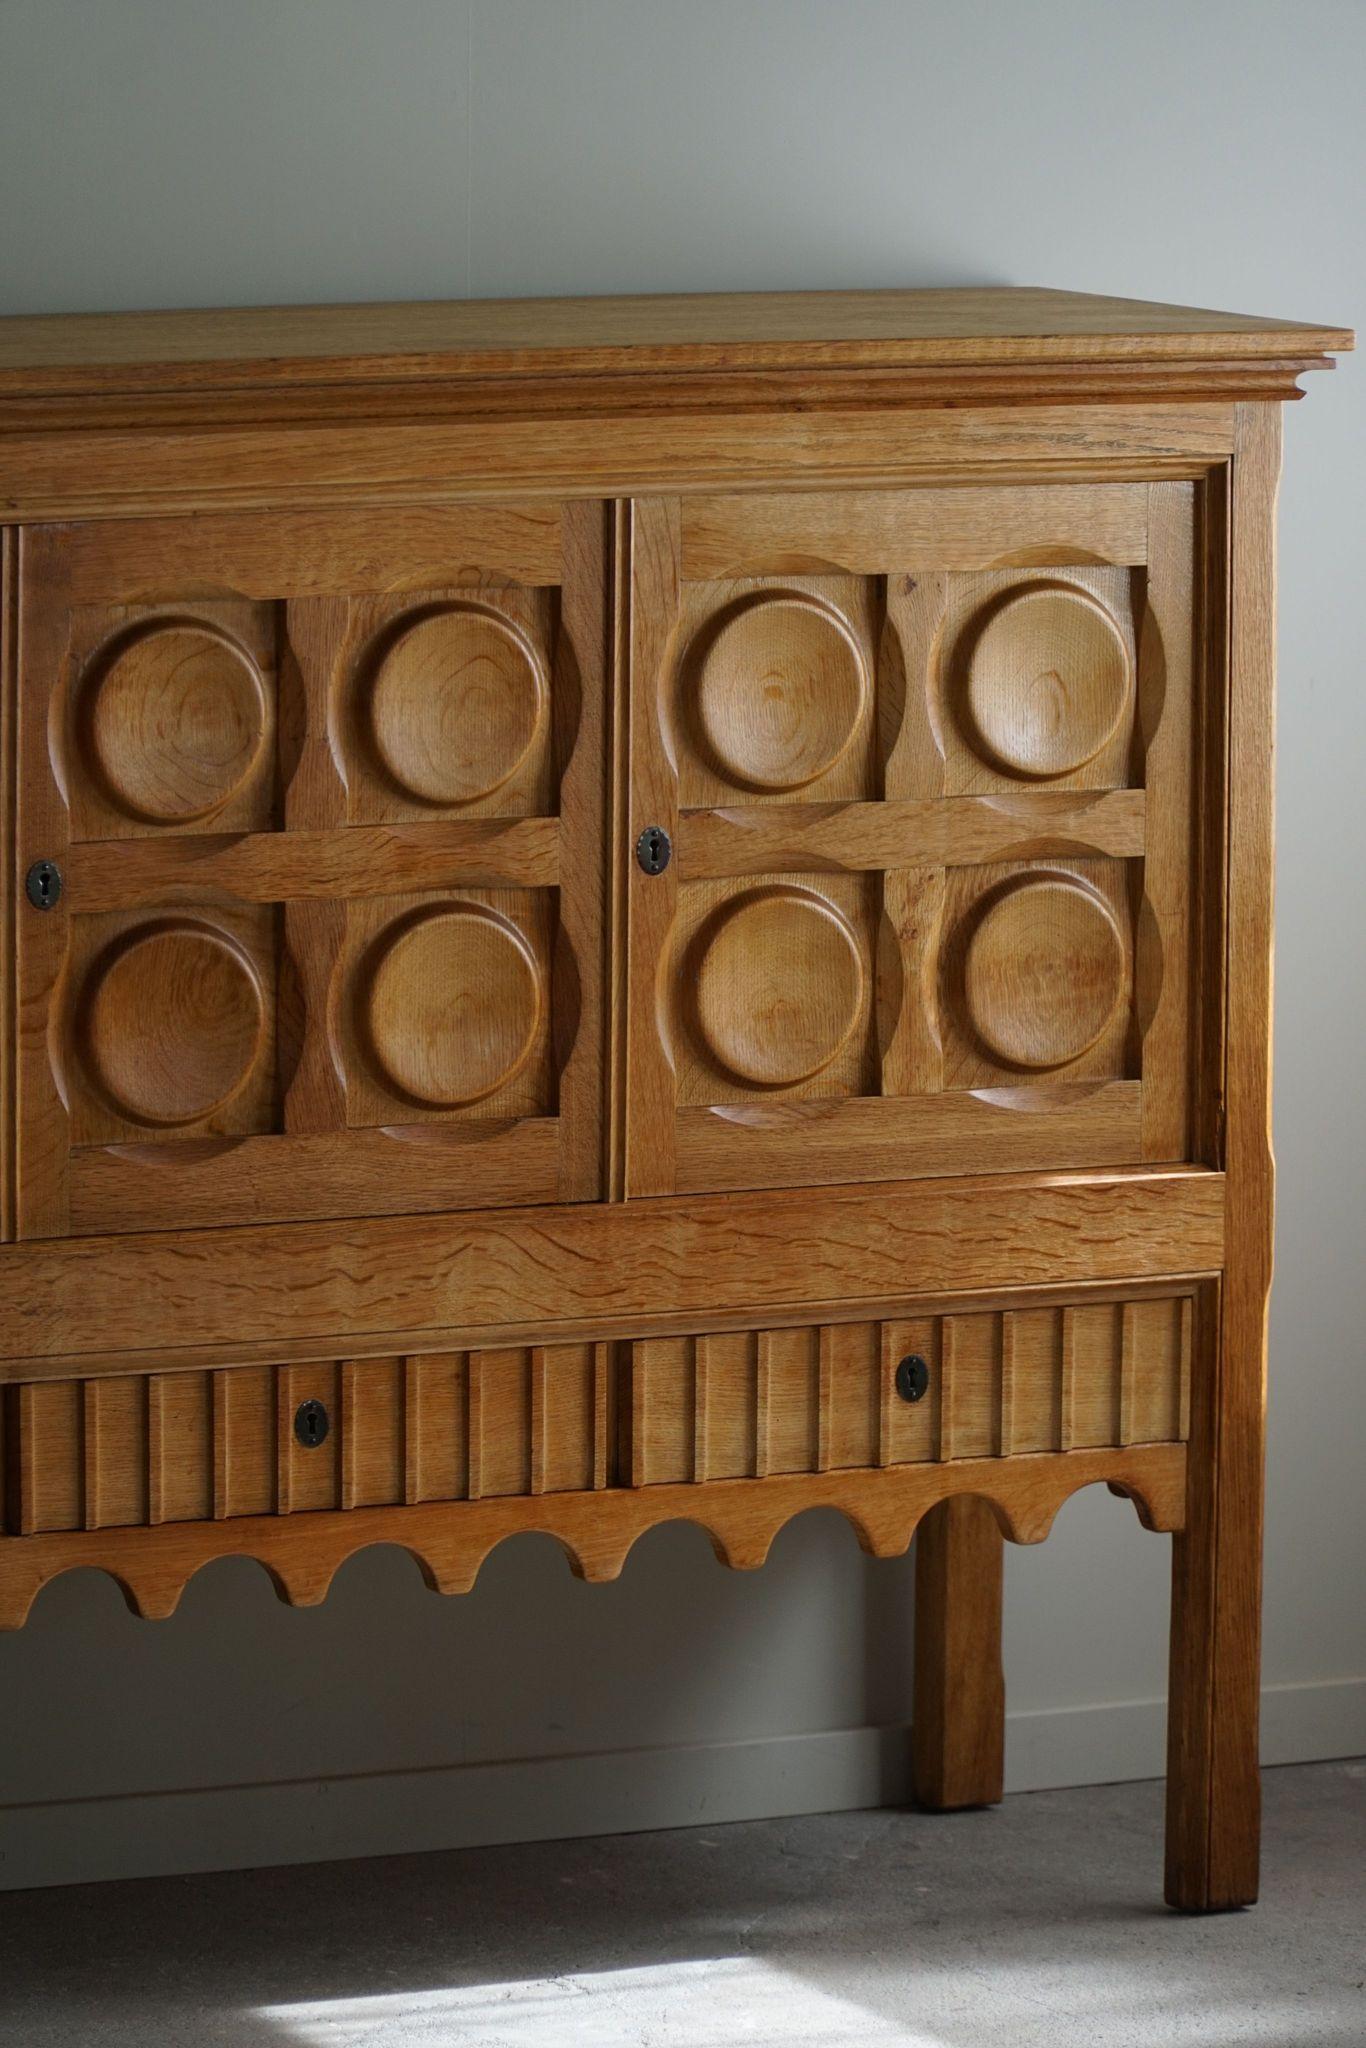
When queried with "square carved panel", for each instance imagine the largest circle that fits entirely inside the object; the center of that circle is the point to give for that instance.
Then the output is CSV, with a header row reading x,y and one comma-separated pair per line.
x,y
327,797
930,906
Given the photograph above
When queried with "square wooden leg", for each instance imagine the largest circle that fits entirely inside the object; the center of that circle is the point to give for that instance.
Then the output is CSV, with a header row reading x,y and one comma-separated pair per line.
x,y
958,1738
1213,1779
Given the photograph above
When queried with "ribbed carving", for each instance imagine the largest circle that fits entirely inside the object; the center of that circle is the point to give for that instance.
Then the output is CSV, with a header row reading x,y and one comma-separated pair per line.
x,y
519,1420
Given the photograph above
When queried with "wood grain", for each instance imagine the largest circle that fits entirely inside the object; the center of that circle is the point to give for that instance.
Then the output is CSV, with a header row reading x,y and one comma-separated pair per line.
x,y
861,531
232,1289
1167,716
935,629
356,860
958,1726
651,899
909,832
292,345
1212,1770
9,893
82,475
449,1541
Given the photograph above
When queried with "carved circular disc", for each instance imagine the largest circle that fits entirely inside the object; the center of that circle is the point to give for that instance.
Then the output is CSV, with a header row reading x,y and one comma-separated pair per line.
x,y
456,704
175,723
781,693
1048,682
453,1006
779,987
1043,973
172,1022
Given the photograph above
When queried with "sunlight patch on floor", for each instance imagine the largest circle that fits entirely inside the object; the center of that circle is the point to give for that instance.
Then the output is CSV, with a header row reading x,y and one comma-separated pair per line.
x,y
733,2002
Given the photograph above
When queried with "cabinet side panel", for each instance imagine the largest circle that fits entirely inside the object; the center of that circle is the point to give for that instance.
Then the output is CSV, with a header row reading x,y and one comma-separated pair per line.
x,y
9,661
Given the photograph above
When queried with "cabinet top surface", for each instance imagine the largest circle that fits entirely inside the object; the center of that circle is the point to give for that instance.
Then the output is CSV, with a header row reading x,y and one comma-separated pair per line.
x,y
759,331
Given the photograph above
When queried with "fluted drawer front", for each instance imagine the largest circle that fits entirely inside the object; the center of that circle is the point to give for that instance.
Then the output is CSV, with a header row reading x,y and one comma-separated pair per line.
x,y
122,1451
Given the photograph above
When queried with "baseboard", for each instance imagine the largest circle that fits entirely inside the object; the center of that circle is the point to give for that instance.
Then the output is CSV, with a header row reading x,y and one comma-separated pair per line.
x,y
236,1827
1106,1745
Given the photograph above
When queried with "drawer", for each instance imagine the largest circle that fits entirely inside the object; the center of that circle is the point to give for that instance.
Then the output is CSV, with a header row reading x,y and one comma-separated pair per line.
x,y
1104,1372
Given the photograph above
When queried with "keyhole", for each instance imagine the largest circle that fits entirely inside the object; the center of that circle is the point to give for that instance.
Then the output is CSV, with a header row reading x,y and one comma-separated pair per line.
x,y
311,1424
43,884
913,1378
653,849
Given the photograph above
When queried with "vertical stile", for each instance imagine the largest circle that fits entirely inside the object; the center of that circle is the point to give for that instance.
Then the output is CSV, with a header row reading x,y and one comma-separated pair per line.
x,y
1005,1444
825,1400
639,1416
25,1462
540,1422
9,947
474,1423
763,1388
1166,653
582,644
222,1450
886,1392
656,547
701,1398
1067,1392
947,1381
1187,1320
156,1448
284,1491
1128,1373
90,1454
412,1431
314,799
603,1382
619,842
350,1429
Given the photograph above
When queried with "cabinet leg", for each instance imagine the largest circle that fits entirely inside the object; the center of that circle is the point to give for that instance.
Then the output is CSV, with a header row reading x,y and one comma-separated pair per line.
x,y
1213,1779
958,1735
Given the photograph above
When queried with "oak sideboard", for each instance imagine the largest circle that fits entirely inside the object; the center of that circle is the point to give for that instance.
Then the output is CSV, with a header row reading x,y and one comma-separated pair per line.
x,y
639,909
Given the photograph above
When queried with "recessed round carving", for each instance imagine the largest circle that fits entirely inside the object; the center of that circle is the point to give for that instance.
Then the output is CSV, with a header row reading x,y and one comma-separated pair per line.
x,y
455,705
1047,682
175,722
1044,972
452,1006
780,692
779,987
171,1022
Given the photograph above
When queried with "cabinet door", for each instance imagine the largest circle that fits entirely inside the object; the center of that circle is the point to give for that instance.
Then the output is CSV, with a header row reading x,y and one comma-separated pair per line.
x,y
323,797
924,760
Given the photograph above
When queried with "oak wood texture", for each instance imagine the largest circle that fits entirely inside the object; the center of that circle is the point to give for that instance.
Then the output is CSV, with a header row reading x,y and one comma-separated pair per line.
x,y
301,1552
842,967
724,1403
331,932
168,1298
958,1728
344,655
729,332
294,466
1213,1782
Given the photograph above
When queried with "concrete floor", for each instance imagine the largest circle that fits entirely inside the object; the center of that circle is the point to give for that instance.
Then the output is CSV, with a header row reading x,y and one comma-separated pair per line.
x,y
1036,1923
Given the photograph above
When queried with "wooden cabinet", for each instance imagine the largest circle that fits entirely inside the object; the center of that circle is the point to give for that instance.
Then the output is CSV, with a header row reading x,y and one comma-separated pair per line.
x,y
621,910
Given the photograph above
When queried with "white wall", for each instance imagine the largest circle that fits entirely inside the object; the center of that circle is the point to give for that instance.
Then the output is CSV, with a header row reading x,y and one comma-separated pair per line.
x,y
192,152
